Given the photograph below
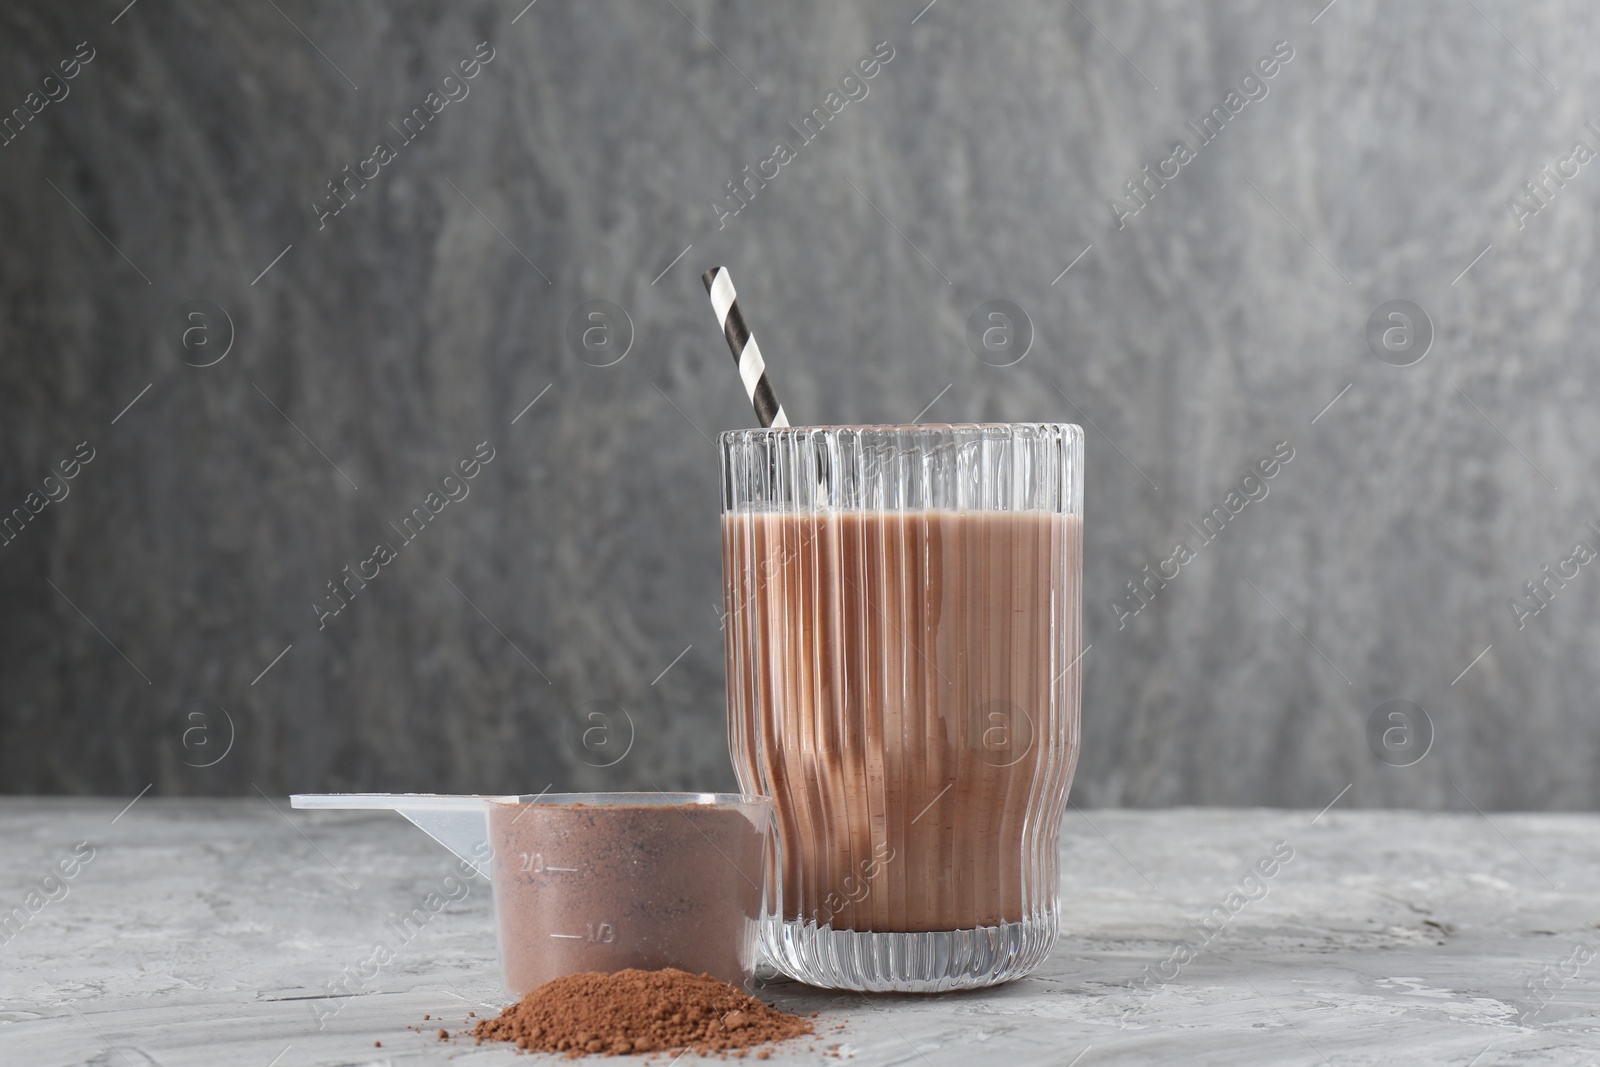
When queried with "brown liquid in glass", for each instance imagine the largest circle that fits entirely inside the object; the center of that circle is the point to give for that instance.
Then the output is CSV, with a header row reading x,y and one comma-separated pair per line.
x,y
904,686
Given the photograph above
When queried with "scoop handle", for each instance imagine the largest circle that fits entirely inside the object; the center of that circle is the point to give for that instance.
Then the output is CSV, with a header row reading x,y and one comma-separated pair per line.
x,y
458,822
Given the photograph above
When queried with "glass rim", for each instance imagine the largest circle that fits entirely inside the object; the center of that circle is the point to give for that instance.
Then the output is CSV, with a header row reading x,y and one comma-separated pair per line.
x,y
902,427
833,468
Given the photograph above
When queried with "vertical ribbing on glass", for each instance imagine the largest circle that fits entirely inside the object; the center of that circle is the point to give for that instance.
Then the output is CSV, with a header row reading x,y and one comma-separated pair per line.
x,y
903,625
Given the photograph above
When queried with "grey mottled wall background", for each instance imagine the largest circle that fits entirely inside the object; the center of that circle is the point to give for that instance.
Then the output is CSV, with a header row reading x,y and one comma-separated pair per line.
x,y
163,609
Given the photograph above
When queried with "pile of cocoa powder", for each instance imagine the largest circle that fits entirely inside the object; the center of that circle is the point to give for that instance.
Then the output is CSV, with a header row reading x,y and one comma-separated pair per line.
x,y
640,1011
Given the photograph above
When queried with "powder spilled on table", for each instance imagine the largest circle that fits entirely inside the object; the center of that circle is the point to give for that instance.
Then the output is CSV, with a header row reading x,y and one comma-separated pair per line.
x,y
640,1011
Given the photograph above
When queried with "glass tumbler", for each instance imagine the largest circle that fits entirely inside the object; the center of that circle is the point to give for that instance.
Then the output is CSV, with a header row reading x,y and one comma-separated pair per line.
x,y
903,622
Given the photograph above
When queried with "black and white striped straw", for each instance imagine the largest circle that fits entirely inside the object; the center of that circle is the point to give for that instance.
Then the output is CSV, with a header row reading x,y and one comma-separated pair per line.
x,y
746,353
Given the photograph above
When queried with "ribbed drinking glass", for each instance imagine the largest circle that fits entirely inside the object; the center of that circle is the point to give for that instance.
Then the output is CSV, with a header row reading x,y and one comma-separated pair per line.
x,y
902,635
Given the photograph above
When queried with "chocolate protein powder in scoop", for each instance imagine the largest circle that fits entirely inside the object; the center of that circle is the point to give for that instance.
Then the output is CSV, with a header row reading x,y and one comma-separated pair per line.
x,y
639,1011
582,887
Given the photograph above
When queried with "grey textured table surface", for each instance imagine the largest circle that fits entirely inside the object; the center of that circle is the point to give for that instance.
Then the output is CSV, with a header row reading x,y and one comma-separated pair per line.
x,y
208,932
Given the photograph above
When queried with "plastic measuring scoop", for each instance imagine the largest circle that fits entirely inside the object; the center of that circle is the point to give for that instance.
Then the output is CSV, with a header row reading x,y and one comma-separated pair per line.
x,y
604,881
458,822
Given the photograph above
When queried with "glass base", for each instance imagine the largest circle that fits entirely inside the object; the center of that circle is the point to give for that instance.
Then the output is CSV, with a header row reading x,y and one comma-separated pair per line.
x,y
931,962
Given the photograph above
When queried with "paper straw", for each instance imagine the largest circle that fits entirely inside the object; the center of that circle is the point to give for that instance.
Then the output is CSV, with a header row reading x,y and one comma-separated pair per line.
x,y
746,353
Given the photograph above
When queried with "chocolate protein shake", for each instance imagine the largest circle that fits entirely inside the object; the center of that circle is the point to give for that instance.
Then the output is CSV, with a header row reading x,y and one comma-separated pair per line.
x,y
900,688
